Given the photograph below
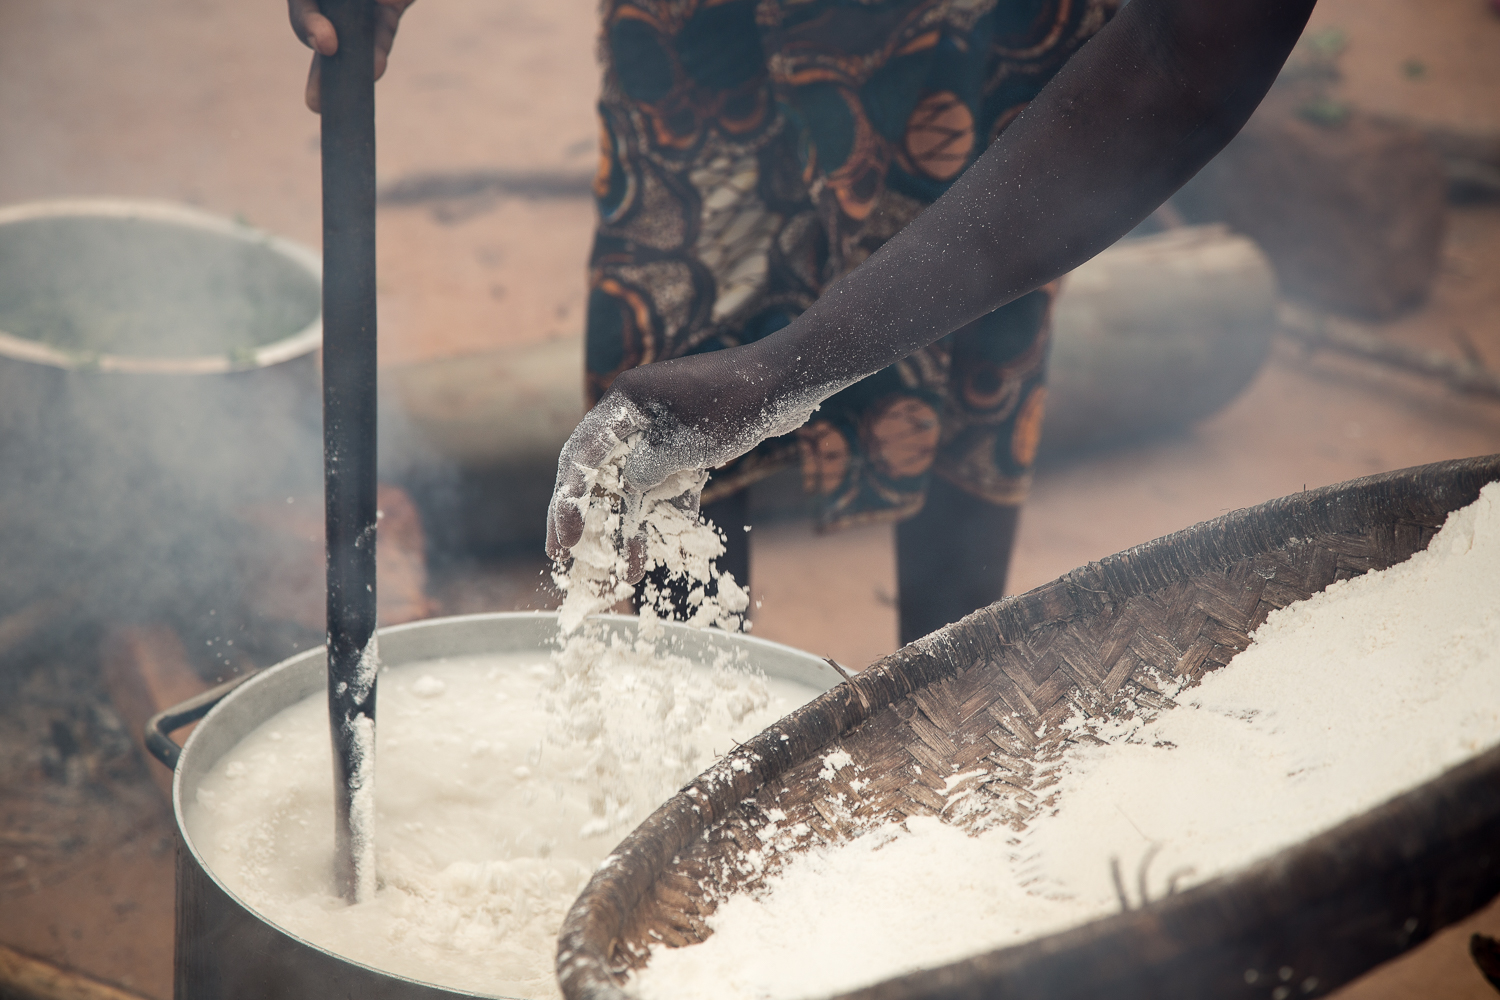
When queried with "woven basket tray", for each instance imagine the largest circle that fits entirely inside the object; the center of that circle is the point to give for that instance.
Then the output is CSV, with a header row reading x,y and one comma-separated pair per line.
x,y
1297,924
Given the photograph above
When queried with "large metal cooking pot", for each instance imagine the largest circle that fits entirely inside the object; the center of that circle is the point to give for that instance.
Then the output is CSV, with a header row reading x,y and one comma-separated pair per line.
x,y
158,369
225,951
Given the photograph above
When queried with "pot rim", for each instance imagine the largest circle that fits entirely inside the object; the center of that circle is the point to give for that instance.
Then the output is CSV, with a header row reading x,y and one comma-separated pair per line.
x,y
303,342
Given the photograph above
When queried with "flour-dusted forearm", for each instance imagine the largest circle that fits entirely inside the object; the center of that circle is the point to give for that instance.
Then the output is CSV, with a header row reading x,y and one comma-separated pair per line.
x,y
1134,114
1139,110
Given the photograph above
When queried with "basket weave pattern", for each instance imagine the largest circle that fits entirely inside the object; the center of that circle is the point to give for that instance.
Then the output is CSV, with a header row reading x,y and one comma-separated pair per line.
x,y
984,698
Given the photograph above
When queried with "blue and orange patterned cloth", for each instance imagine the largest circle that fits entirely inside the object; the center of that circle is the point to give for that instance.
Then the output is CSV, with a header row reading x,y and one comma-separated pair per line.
x,y
752,151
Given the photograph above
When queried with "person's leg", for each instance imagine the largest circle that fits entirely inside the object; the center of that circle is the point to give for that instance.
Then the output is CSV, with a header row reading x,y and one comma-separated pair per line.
x,y
953,555
951,558
729,515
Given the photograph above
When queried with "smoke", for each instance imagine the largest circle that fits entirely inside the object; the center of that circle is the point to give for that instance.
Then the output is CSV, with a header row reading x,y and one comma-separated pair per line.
x,y
145,496
120,489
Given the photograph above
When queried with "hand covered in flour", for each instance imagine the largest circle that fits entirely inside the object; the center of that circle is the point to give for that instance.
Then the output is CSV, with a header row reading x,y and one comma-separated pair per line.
x,y
317,33
664,425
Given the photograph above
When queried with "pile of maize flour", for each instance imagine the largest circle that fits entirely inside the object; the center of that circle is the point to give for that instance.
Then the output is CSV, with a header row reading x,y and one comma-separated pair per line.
x,y
1342,701
502,781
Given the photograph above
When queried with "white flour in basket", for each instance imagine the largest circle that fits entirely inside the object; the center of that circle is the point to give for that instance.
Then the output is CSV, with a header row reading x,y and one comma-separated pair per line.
x,y
1370,688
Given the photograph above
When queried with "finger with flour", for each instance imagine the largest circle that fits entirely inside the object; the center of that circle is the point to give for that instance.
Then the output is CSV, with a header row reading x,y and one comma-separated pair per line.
x,y
601,432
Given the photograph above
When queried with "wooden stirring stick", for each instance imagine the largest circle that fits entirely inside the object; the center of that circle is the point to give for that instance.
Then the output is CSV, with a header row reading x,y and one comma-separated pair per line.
x,y
348,99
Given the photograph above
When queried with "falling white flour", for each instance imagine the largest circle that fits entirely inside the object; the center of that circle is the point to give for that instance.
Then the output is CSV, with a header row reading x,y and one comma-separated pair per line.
x,y
673,538
503,781
1343,701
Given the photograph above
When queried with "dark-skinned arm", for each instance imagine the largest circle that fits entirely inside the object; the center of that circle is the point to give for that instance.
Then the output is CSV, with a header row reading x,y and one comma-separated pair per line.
x,y
1127,121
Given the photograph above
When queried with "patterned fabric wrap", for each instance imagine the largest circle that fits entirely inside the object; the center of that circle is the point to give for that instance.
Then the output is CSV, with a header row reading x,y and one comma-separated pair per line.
x,y
752,151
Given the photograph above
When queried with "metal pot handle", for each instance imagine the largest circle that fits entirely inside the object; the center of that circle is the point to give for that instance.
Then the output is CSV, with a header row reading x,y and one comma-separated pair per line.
x,y
169,720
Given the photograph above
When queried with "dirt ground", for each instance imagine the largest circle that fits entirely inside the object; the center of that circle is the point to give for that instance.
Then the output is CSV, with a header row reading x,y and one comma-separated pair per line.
x,y
485,122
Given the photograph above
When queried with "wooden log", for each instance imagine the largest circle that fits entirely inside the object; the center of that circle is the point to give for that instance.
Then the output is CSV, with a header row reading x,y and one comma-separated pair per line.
x,y
19,628
146,669
1317,332
24,977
